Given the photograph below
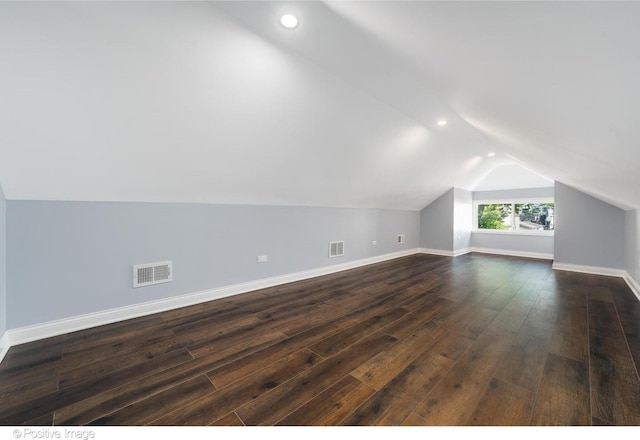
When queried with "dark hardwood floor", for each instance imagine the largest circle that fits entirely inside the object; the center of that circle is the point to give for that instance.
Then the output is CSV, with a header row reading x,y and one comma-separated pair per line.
x,y
420,340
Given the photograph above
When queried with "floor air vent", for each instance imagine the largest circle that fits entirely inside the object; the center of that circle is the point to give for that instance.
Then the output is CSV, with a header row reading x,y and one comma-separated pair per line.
x,y
152,273
336,249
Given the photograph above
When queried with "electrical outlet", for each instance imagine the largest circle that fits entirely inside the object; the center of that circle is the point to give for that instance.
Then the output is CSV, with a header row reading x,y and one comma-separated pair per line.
x,y
374,243
262,258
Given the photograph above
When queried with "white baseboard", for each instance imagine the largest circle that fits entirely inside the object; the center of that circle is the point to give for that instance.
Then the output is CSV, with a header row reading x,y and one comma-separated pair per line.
x,y
633,284
458,252
440,252
4,345
54,328
595,270
510,253
505,252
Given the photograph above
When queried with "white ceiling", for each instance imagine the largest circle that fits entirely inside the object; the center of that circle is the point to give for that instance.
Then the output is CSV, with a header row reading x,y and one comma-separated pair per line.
x,y
215,102
512,176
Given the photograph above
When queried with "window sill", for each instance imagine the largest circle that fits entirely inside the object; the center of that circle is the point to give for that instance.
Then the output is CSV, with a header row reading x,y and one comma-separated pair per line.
x,y
527,233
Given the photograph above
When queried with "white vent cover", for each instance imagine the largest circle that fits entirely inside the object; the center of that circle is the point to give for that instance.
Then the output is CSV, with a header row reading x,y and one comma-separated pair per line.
x,y
336,249
400,239
152,273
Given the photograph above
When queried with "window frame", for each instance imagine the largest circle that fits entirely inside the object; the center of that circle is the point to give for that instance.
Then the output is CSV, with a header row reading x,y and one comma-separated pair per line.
x,y
513,202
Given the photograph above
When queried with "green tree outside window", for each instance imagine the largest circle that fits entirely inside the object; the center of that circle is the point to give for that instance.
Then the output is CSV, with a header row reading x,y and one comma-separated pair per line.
x,y
493,216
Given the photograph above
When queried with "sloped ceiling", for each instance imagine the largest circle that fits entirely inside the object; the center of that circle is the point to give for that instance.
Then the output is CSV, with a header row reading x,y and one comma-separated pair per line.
x,y
215,102
512,176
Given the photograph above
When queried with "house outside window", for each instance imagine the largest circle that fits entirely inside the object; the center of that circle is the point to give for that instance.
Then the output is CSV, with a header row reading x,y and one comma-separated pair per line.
x,y
522,216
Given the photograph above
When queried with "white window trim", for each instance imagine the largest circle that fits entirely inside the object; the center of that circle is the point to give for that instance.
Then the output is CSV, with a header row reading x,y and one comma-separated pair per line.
x,y
514,202
541,233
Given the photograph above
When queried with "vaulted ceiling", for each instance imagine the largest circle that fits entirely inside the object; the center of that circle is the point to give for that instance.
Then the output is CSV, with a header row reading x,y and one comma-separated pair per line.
x,y
216,102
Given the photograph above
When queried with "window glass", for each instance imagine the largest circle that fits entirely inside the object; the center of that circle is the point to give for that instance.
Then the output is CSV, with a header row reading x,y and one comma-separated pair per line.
x,y
495,216
532,216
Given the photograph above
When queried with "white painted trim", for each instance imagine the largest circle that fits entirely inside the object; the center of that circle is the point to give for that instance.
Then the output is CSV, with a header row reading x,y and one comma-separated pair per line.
x,y
463,251
512,201
439,252
519,232
54,328
4,345
633,284
595,270
511,253
506,252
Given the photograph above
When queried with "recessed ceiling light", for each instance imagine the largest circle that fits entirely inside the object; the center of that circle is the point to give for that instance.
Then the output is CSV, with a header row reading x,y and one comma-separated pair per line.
x,y
491,154
441,123
289,21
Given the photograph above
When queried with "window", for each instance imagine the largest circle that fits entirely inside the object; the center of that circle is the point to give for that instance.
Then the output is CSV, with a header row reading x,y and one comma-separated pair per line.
x,y
518,215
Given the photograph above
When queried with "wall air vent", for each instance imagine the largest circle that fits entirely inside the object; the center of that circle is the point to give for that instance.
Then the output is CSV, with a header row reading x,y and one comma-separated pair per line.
x,y
336,249
400,239
152,273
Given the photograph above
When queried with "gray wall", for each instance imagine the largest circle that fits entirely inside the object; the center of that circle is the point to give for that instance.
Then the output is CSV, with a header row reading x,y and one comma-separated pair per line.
x,y
514,242
73,258
632,244
588,231
3,263
436,223
462,219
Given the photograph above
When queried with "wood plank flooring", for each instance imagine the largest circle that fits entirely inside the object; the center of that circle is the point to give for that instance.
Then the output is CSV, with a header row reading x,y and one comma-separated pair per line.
x,y
420,340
